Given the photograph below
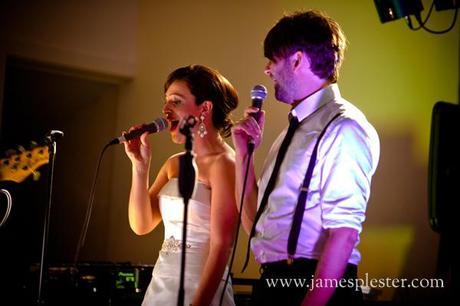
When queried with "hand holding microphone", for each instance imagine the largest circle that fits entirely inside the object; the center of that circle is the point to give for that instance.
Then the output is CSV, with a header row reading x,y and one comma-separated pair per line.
x,y
258,96
136,142
247,133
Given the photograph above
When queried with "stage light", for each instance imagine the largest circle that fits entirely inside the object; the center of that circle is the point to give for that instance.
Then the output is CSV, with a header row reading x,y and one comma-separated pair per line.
x,y
390,10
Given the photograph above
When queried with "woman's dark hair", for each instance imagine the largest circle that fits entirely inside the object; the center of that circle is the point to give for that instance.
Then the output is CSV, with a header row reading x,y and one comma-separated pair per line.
x,y
207,84
314,33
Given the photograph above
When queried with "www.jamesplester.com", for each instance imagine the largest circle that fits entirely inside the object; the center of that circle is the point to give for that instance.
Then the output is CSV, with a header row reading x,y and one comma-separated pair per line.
x,y
357,283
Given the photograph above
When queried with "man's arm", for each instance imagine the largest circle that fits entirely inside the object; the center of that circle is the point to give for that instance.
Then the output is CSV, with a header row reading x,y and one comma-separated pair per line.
x,y
350,155
332,264
244,130
250,198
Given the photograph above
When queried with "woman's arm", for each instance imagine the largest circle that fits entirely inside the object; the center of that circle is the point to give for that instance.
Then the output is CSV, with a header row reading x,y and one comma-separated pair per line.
x,y
143,210
223,226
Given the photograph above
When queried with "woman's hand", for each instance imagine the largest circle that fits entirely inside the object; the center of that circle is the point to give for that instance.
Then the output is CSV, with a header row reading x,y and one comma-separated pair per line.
x,y
138,150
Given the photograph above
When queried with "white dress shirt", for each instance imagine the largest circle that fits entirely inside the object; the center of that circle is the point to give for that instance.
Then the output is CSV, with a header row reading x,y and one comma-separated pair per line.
x,y
340,186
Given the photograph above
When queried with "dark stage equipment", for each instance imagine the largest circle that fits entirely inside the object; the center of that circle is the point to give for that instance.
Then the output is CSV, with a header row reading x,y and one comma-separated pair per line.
x,y
98,283
390,10
444,166
88,283
443,187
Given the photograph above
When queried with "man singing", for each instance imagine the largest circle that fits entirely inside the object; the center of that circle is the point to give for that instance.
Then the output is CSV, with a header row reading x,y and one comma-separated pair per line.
x,y
305,212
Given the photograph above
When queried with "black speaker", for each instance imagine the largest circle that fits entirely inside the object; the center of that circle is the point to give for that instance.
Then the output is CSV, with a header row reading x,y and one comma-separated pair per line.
x,y
444,166
389,10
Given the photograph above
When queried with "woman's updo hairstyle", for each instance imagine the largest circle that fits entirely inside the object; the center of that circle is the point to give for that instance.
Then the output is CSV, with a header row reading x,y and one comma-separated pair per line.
x,y
207,84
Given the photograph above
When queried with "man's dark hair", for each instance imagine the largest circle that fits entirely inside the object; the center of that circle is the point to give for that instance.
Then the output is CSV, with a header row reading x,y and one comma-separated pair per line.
x,y
312,32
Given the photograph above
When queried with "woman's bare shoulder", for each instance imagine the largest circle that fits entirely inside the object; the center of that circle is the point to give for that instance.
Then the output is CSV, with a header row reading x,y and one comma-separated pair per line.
x,y
224,163
172,164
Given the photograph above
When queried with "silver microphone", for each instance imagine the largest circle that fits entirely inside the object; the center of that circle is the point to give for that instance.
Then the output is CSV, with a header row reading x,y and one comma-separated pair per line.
x,y
258,96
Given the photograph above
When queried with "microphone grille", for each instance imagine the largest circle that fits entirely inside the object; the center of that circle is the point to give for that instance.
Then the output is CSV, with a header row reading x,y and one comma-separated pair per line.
x,y
161,123
259,92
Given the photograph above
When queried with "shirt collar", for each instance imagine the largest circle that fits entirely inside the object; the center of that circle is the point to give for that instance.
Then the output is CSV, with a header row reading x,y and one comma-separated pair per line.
x,y
315,101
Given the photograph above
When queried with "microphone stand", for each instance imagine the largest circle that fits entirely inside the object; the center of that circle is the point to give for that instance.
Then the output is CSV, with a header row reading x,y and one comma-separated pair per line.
x,y
51,138
186,186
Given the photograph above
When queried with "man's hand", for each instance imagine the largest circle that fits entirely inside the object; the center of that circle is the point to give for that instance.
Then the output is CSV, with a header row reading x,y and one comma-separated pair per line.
x,y
248,129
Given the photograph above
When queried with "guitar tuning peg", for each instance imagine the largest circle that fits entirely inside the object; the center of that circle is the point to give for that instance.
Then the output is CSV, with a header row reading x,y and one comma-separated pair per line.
x,y
21,149
35,175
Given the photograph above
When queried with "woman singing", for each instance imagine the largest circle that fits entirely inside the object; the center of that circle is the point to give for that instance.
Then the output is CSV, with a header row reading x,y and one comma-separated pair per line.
x,y
212,216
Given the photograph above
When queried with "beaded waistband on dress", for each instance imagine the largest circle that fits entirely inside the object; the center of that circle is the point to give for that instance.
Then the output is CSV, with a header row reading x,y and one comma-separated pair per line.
x,y
173,245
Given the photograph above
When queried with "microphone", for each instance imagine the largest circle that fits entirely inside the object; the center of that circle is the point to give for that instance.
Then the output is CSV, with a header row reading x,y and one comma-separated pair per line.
x,y
258,95
156,126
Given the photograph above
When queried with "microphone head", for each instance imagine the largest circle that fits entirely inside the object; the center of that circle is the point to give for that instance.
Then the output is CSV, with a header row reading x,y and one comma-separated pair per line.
x,y
259,92
161,124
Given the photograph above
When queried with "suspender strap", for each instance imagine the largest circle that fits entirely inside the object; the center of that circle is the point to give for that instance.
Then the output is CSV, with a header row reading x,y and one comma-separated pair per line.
x,y
293,124
300,208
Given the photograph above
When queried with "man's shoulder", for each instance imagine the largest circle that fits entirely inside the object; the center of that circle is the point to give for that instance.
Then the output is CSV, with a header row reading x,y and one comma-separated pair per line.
x,y
351,128
350,116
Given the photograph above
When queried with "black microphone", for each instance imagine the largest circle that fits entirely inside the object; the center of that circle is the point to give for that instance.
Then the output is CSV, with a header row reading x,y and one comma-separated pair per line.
x,y
258,95
157,125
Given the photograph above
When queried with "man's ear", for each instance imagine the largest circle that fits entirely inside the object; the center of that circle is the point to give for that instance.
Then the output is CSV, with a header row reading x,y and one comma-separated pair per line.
x,y
299,59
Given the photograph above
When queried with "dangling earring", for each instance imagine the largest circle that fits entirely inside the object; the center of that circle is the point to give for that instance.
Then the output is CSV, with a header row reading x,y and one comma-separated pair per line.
x,y
202,128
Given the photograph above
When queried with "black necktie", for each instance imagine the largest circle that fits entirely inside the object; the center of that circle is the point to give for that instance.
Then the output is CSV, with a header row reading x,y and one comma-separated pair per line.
x,y
293,124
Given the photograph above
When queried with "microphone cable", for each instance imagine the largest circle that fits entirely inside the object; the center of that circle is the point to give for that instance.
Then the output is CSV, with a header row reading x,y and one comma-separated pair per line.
x,y
89,207
250,153
157,125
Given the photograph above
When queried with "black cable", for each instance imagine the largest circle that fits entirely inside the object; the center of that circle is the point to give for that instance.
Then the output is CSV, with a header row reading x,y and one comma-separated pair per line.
x,y
250,152
89,208
409,20
422,23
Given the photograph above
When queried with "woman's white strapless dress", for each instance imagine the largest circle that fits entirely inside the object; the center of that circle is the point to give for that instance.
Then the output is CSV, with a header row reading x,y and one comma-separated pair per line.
x,y
164,286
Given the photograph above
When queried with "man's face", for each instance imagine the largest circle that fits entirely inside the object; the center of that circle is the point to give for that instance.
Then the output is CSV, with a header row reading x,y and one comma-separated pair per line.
x,y
279,70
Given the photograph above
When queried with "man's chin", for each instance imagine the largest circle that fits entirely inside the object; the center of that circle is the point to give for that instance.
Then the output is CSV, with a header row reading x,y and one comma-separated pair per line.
x,y
282,98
